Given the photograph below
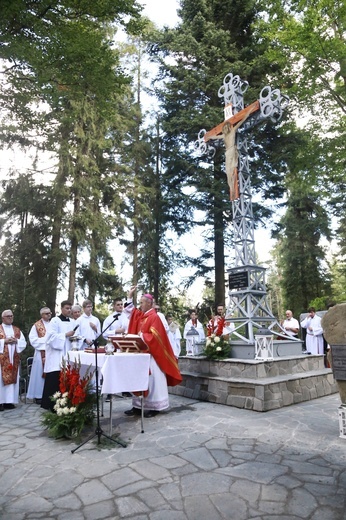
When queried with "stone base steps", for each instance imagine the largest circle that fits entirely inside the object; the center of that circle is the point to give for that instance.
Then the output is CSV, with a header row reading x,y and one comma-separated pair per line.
x,y
255,393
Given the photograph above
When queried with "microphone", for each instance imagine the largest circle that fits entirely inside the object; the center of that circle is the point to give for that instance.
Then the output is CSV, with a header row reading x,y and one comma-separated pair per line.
x,y
116,316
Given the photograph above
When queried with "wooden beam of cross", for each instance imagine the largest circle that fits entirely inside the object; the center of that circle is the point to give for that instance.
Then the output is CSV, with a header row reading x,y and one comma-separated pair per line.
x,y
237,118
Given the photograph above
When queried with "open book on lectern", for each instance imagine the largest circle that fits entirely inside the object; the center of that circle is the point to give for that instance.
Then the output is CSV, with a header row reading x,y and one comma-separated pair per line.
x,y
128,343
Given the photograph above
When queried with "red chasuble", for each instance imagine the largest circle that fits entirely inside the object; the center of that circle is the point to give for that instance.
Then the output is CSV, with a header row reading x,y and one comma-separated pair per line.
x,y
155,336
9,371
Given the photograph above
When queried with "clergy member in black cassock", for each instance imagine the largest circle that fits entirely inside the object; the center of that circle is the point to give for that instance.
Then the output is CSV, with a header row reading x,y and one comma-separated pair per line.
x,y
57,346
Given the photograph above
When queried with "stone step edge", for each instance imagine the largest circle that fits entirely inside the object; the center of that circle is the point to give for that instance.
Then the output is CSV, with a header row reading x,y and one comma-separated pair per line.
x,y
262,381
247,361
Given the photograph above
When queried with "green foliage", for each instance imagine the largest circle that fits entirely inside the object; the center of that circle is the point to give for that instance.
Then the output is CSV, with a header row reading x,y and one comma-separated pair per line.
x,y
70,425
25,227
320,304
299,232
58,57
338,280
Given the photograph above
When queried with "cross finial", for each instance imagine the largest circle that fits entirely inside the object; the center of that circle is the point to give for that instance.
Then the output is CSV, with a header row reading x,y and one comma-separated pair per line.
x,y
231,86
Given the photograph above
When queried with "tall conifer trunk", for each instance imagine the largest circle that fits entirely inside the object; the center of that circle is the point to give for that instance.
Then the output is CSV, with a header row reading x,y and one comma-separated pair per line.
x,y
60,201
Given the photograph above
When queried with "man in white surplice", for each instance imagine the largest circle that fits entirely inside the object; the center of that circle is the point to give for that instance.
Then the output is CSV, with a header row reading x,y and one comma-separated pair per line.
x,y
314,331
89,325
191,347
37,337
174,335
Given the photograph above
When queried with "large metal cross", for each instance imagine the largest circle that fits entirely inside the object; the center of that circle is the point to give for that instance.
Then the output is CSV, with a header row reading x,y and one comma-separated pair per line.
x,y
247,288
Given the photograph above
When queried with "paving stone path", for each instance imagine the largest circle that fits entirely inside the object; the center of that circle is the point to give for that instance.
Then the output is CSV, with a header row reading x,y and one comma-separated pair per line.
x,y
198,461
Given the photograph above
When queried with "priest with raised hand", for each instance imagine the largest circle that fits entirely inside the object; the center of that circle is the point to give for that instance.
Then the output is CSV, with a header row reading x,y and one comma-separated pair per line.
x,y
164,369
12,343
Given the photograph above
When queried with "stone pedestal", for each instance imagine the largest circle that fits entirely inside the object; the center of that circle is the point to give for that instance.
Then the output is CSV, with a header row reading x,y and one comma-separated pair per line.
x,y
255,385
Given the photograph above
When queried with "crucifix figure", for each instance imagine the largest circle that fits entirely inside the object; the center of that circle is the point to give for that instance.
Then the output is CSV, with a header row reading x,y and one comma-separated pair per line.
x,y
229,135
247,287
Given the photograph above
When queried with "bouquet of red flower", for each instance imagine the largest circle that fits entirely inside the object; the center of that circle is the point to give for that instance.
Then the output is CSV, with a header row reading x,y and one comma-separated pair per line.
x,y
74,403
216,347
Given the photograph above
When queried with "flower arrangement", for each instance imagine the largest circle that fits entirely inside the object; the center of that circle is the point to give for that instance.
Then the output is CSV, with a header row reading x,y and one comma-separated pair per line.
x,y
74,402
216,347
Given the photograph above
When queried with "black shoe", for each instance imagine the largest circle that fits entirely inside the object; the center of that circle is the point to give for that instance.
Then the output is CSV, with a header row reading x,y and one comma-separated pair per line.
x,y
126,394
108,398
9,406
2,408
132,412
38,401
150,413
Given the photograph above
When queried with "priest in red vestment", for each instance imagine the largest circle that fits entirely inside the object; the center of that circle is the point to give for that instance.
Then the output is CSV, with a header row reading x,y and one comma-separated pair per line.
x,y
164,369
12,343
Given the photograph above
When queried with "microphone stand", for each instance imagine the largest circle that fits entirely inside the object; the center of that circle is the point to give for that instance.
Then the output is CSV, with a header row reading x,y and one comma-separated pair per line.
x,y
98,431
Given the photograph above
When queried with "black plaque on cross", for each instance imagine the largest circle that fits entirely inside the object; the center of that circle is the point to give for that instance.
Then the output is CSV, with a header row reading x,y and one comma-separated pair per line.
x,y
239,280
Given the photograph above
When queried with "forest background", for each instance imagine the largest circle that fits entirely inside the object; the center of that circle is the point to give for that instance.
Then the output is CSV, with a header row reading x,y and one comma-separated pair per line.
x,y
109,184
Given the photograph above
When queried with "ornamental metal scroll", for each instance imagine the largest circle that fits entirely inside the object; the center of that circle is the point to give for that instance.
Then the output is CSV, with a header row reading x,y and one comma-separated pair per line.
x,y
231,85
272,102
202,147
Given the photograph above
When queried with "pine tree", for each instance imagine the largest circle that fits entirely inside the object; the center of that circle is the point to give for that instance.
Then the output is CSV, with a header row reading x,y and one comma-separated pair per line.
x,y
213,39
59,57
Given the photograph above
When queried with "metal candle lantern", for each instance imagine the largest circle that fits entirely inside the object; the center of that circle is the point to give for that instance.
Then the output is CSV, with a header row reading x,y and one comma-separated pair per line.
x,y
191,337
264,345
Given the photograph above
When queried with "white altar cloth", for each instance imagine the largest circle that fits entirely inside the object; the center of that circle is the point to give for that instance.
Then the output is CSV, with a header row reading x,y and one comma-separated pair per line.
x,y
125,373
122,372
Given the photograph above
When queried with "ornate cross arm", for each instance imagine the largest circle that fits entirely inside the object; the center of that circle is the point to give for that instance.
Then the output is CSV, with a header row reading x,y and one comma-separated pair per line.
x,y
269,106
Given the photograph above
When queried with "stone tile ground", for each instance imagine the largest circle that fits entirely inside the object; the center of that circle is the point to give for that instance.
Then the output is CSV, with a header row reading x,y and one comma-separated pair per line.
x,y
199,461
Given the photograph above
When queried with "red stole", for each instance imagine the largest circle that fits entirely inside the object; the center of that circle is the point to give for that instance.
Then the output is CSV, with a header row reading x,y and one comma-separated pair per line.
x,y
155,336
9,371
40,329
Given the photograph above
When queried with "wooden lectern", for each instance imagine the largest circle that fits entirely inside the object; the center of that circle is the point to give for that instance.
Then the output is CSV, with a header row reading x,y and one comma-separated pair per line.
x,y
128,343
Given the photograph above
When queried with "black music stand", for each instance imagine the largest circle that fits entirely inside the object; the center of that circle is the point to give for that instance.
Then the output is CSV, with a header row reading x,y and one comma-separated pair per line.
x,y
98,431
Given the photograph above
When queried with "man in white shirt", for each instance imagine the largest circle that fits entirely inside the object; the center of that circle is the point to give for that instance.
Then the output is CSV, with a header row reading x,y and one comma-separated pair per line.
x,y
290,324
12,342
89,326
